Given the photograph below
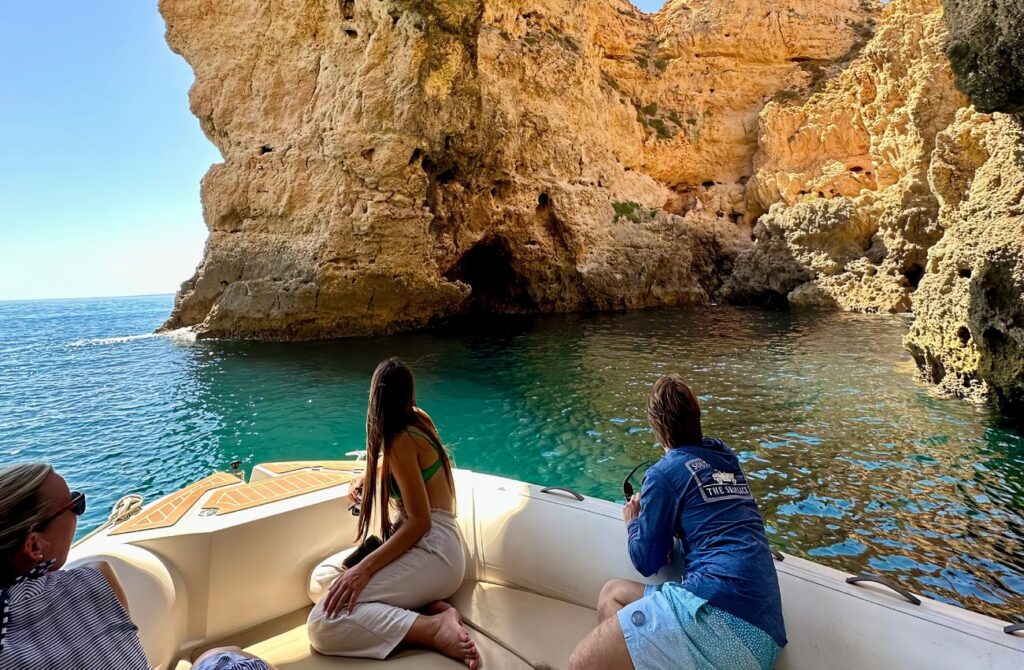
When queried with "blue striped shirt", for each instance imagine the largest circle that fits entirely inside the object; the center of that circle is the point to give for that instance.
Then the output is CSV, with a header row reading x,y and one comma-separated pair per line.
x,y
68,619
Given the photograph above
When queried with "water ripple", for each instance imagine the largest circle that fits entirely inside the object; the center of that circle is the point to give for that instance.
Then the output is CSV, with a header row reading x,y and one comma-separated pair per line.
x,y
854,464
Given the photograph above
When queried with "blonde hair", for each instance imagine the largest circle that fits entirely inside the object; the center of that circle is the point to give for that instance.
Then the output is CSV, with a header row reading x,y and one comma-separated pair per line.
x,y
21,506
674,412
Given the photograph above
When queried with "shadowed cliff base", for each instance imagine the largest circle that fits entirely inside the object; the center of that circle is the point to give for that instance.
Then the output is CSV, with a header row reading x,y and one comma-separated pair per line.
x,y
389,164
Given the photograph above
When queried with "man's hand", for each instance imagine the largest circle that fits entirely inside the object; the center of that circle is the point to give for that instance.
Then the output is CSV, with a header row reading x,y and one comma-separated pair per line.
x,y
631,510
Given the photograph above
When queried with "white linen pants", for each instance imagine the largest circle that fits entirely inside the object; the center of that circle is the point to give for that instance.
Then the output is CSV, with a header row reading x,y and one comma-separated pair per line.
x,y
433,569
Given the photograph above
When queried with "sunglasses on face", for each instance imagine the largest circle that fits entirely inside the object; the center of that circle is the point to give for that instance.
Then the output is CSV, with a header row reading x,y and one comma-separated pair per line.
x,y
76,505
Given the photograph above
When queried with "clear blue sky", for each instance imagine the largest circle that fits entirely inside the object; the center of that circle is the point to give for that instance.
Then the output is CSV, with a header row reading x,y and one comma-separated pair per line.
x,y
100,158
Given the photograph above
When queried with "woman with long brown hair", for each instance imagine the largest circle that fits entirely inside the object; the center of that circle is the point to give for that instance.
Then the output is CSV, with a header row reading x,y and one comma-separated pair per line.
x,y
395,594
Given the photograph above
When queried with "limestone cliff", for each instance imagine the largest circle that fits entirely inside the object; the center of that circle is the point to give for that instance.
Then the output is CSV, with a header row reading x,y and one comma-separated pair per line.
x,y
986,48
968,335
388,162
391,162
886,192
844,175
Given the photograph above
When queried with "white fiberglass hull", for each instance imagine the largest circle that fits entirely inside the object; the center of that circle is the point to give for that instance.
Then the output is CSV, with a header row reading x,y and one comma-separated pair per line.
x,y
233,566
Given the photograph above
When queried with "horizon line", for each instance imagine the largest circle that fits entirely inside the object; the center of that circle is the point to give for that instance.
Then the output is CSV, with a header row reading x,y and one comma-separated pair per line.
x,y
87,297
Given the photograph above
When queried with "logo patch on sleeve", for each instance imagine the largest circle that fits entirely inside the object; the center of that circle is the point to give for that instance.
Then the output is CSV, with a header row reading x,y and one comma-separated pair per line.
x,y
716,485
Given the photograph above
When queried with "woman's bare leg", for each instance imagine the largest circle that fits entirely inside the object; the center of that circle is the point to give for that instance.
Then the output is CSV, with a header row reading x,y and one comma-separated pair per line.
x,y
616,594
604,648
444,632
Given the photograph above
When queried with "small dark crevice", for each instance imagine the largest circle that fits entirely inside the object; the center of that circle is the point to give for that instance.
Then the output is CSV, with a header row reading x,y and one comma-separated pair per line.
x,y
501,188
351,33
543,202
963,334
856,168
367,153
416,154
708,184
914,274
265,149
964,273
448,175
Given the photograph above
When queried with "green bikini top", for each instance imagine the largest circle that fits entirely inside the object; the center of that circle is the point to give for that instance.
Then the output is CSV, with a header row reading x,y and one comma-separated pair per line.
x,y
428,471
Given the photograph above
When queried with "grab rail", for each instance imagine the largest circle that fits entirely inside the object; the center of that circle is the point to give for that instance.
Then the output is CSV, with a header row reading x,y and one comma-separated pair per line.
x,y
1013,628
914,600
550,489
777,555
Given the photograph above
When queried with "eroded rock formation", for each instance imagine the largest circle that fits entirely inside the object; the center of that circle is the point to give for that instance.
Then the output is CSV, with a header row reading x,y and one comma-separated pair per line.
x,y
968,334
388,162
844,175
986,48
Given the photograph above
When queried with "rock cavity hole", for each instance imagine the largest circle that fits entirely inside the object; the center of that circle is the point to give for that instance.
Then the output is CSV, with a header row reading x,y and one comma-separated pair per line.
x,y
497,287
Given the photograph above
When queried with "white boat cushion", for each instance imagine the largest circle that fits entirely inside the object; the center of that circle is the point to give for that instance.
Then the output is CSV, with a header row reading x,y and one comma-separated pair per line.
x,y
541,630
290,650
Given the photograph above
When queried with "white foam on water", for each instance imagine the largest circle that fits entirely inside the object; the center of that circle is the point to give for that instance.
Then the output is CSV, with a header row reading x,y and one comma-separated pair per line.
x,y
178,336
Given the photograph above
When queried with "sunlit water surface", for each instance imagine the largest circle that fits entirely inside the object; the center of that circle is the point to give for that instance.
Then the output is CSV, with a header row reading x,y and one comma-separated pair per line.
x,y
854,463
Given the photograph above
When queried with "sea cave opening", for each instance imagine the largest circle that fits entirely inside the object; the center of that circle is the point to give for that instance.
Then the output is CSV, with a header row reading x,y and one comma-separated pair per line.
x,y
497,287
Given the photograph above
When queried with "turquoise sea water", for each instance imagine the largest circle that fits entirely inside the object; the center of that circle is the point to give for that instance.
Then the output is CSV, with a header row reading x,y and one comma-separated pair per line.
x,y
854,463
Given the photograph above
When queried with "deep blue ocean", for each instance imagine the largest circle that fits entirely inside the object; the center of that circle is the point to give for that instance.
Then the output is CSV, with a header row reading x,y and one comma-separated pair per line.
x,y
855,464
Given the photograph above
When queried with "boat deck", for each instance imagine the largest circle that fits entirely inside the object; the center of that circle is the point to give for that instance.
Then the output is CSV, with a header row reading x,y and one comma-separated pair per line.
x,y
514,630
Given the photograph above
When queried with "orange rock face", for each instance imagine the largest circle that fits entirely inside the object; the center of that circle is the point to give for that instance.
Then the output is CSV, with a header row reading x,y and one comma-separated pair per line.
x,y
391,162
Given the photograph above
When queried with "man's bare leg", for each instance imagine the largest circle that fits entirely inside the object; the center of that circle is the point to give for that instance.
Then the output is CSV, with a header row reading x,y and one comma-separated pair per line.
x,y
616,594
604,648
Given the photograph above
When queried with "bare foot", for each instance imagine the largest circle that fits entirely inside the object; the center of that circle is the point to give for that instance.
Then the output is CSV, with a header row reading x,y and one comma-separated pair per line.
x,y
439,606
452,639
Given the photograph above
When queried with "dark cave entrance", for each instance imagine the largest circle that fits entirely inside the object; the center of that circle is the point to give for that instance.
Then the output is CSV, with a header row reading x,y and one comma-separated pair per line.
x,y
497,287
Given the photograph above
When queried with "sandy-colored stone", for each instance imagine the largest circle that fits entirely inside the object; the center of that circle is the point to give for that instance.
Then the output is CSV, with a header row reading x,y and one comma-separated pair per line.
x,y
390,162
968,335
855,215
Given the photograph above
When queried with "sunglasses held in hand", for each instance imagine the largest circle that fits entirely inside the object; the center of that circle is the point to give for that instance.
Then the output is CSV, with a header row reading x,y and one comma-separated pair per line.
x,y
627,484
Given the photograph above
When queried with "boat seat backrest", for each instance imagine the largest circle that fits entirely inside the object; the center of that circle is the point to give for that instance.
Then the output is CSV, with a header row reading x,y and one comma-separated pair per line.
x,y
548,543
157,601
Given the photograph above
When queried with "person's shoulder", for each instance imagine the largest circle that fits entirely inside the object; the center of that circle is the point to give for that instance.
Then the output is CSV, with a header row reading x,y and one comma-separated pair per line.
x,y
715,445
96,576
404,445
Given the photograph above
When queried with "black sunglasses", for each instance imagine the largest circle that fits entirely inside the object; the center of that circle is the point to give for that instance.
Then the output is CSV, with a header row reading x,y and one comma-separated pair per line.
x,y
627,485
77,505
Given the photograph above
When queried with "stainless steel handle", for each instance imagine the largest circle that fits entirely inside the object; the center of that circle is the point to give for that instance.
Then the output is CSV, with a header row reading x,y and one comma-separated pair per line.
x,y
914,600
551,489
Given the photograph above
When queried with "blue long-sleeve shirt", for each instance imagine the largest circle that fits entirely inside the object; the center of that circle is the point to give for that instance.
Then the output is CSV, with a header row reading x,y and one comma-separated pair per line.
x,y
700,495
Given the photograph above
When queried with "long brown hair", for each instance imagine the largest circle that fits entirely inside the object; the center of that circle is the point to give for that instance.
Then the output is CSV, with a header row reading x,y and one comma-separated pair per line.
x,y
391,410
673,412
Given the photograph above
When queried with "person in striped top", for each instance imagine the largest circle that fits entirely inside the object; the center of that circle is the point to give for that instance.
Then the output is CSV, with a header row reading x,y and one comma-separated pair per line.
x,y
54,619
